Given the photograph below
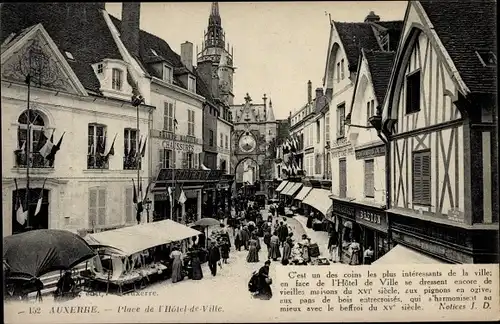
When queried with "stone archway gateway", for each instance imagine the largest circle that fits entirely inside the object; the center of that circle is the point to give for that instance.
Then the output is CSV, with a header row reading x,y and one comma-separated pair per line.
x,y
255,128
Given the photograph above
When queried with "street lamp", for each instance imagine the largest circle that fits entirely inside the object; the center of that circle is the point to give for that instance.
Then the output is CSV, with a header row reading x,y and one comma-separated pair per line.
x,y
147,205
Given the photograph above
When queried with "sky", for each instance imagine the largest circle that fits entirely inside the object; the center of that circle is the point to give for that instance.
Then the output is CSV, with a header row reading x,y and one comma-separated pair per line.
x,y
278,46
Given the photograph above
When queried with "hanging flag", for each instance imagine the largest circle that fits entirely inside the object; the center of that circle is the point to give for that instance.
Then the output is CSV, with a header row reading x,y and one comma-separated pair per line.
x,y
48,146
56,148
102,145
134,200
147,191
175,123
39,202
21,214
203,167
143,150
170,194
182,198
111,150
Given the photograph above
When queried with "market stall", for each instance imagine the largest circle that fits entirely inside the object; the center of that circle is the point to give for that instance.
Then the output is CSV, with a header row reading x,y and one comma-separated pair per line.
x,y
134,255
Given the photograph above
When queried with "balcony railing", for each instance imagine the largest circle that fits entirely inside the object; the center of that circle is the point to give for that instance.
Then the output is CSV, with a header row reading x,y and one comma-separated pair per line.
x,y
97,162
37,161
131,163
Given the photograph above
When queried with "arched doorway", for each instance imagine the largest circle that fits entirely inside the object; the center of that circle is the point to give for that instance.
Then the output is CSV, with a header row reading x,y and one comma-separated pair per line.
x,y
39,221
247,176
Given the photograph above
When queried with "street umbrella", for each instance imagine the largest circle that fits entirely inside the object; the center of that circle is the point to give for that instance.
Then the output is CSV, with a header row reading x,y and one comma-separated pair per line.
x,y
207,222
34,253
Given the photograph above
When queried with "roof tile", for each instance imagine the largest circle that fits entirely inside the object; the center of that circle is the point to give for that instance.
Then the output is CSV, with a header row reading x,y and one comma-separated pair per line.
x,y
464,27
380,64
84,34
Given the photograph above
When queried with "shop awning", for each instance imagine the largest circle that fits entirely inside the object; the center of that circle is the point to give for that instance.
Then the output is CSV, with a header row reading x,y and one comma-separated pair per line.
x,y
319,199
293,190
288,186
401,254
303,193
281,186
133,239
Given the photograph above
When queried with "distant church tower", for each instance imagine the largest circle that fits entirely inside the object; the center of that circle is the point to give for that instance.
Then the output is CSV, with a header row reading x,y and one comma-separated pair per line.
x,y
215,62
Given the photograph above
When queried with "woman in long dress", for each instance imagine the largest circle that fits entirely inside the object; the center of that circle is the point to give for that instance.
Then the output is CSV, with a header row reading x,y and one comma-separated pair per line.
x,y
287,251
253,253
237,239
264,291
224,249
197,273
355,249
274,250
176,255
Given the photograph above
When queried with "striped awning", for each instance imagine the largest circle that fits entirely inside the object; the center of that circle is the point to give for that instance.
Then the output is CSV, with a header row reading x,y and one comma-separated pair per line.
x,y
303,193
288,186
293,190
281,186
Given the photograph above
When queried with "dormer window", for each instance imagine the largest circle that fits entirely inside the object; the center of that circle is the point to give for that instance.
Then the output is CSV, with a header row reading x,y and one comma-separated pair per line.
x,y
167,73
117,79
191,84
100,68
487,58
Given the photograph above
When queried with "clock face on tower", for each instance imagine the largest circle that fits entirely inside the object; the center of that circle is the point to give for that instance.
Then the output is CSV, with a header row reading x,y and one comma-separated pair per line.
x,y
247,143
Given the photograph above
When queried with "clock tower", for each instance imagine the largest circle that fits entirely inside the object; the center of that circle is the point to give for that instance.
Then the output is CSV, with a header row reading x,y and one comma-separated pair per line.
x,y
217,57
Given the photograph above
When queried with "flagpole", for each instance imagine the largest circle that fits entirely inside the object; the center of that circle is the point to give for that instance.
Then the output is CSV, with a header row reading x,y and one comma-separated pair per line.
x,y
172,202
28,151
138,152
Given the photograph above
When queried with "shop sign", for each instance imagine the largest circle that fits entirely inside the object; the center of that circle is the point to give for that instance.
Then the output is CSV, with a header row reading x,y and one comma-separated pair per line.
x,y
371,217
163,196
183,147
344,210
432,248
370,152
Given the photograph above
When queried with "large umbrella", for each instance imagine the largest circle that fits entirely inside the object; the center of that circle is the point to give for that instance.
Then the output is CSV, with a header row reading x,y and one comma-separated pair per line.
x,y
207,222
34,253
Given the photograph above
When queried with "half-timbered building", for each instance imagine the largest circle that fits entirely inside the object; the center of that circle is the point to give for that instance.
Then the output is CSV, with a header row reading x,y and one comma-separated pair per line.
x,y
347,39
367,165
439,114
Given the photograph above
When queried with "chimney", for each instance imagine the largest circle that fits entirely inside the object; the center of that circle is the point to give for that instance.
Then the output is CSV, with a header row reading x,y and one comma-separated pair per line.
x,y
320,100
372,17
309,91
319,93
187,55
131,13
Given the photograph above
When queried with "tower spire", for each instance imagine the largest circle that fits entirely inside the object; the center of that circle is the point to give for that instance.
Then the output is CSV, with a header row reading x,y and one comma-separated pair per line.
x,y
214,18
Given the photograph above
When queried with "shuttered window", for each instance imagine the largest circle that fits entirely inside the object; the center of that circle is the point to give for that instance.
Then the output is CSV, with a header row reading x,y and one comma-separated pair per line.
x,y
97,207
168,116
421,178
341,120
191,122
369,179
343,178
318,162
129,206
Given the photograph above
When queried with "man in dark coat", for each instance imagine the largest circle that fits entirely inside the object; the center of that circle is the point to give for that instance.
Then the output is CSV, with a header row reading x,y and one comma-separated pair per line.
x,y
282,233
213,258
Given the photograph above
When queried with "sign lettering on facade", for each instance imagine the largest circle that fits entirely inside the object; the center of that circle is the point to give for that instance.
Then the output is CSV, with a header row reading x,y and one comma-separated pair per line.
x,y
369,216
169,145
343,210
370,152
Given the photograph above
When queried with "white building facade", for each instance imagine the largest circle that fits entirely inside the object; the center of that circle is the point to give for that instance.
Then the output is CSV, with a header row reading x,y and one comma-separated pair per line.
x,y
85,187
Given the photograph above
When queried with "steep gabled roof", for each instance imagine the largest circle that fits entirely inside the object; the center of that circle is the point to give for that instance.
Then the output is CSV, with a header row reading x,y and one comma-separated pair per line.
x,y
380,65
355,36
87,37
465,27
